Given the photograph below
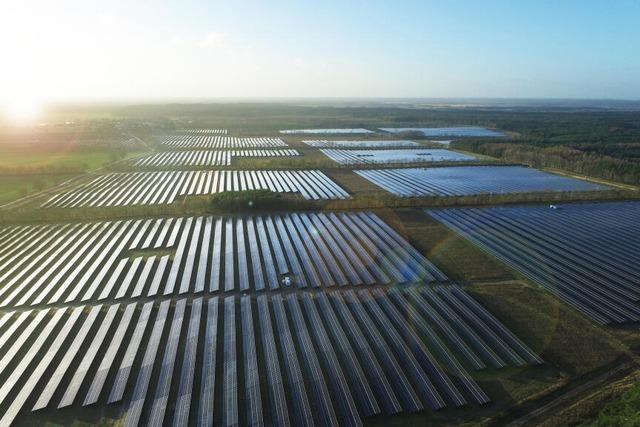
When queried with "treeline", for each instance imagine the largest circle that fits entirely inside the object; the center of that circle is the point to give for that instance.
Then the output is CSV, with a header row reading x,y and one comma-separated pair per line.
x,y
256,201
559,157
239,203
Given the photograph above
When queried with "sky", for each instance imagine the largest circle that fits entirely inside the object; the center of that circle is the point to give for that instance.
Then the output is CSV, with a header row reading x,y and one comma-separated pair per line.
x,y
170,50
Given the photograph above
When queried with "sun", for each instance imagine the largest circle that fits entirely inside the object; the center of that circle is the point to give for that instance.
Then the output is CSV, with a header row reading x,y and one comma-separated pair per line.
x,y
23,110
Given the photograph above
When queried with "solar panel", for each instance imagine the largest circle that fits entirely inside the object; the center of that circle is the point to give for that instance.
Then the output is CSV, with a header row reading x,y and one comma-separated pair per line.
x,y
107,361
206,407
187,372
340,392
122,375
67,359
277,396
20,399
367,402
170,350
301,409
85,364
28,357
18,342
253,397
134,410
322,400
230,384
395,374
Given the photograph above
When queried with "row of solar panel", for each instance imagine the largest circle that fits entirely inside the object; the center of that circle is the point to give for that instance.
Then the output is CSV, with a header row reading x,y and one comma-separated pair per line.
x,y
587,254
364,143
144,188
205,158
49,264
204,131
340,356
352,157
211,141
466,180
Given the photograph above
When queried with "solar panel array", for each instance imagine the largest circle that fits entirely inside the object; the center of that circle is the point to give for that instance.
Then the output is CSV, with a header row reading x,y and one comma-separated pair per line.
x,y
586,254
287,319
350,157
205,158
146,188
342,131
366,143
205,131
51,264
461,131
215,142
466,180
340,356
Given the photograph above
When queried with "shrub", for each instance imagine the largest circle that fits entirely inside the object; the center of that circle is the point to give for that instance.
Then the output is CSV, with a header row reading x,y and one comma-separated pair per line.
x,y
254,200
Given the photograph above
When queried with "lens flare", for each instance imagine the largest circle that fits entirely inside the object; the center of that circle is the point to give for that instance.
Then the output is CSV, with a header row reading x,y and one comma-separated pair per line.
x,y
23,110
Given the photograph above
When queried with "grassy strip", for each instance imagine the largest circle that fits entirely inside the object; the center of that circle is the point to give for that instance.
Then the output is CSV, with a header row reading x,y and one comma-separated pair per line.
x,y
13,187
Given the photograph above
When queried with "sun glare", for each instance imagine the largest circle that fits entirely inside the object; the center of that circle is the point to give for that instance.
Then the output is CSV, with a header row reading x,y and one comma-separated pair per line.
x,y
22,110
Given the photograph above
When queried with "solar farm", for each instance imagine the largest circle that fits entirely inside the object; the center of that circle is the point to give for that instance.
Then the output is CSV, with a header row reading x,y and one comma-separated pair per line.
x,y
459,131
575,251
141,188
205,131
341,131
355,157
93,263
379,365
381,143
364,295
206,158
107,260
465,180
201,141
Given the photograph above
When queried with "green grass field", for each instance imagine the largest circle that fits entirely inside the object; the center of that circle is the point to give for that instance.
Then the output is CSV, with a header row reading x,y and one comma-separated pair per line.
x,y
26,170
87,160
13,187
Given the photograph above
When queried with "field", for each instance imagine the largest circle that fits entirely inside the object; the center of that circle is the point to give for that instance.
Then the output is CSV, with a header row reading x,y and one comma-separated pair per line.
x,y
88,160
30,164
13,187
203,267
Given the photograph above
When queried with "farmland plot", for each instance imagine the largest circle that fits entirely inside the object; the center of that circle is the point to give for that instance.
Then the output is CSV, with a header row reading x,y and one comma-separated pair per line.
x,y
382,143
343,131
216,142
205,158
586,254
51,264
351,157
466,180
459,131
398,351
147,188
